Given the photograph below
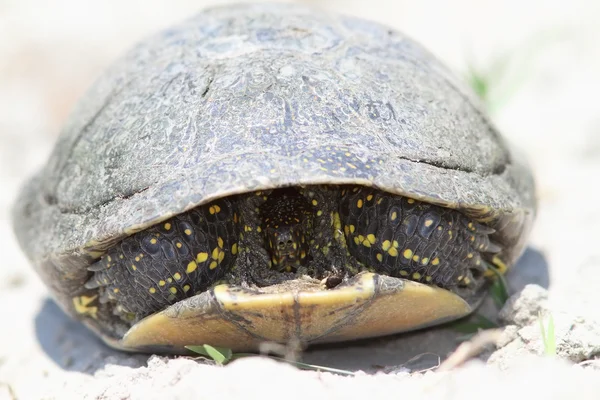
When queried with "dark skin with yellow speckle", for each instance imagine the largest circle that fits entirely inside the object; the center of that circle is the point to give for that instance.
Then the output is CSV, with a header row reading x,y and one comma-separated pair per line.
x,y
267,237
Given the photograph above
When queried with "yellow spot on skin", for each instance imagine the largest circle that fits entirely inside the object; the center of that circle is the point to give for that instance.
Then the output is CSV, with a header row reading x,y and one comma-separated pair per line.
x,y
351,165
366,243
395,244
411,201
319,213
472,238
201,257
386,245
214,209
173,290
416,258
356,240
428,222
352,228
359,203
314,202
428,278
500,266
82,305
470,255
371,238
133,267
466,281
259,229
470,226
302,254
215,253
425,260
393,252
153,240
109,259
116,290
407,254
221,256
346,230
220,242
121,256
167,226
379,257
169,280
178,245
370,197
191,267
152,290
213,265
137,258
161,283
403,273
416,276
177,276
435,261
234,249
186,288
187,232
394,216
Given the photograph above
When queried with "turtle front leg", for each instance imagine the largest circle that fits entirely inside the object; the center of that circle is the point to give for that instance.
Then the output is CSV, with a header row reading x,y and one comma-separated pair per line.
x,y
168,262
402,237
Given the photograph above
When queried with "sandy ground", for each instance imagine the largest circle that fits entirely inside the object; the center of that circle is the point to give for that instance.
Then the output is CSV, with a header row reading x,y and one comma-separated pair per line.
x,y
545,103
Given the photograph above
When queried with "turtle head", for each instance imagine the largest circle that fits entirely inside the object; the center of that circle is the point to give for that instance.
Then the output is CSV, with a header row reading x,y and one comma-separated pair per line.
x,y
287,223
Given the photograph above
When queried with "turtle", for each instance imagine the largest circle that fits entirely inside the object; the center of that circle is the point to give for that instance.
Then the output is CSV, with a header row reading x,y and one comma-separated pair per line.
x,y
274,173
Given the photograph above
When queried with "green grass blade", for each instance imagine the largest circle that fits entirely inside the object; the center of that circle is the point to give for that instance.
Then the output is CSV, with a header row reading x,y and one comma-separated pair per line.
x,y
220,355
499,289
548,336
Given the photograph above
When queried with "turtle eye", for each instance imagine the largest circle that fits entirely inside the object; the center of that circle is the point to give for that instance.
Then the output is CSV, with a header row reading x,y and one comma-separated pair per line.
x,y
285,246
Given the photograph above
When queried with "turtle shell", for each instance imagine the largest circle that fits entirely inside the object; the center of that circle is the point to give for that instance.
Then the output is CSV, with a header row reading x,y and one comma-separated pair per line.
x,y
255,97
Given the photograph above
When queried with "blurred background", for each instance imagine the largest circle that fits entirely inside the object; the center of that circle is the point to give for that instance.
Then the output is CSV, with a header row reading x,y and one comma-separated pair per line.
x,y
535,62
